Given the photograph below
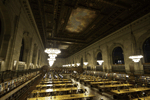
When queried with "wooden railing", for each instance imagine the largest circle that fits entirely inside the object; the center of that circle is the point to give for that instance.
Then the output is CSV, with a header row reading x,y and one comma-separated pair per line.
x,y
6,75
118,68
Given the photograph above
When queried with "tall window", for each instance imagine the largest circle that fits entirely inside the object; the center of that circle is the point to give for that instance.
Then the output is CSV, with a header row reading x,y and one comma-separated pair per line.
x,y
117,56
38,57
21,51
99,57
82,62
146,50
34,54
0,27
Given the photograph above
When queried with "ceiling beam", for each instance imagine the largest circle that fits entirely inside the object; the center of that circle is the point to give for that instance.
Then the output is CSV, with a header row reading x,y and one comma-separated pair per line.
x,y
90,8
114,4
66,40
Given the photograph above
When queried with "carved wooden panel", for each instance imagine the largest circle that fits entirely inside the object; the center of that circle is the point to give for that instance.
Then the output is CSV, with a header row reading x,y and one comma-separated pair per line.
x,y
146,68
118,68
99,68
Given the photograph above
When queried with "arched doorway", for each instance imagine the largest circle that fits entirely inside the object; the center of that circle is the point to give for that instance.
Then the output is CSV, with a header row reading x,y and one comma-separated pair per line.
x,y
99,57
146,50
21,51
117,56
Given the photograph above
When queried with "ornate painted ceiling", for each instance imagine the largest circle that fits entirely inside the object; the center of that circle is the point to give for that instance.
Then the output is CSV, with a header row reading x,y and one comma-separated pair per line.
x,y
71,25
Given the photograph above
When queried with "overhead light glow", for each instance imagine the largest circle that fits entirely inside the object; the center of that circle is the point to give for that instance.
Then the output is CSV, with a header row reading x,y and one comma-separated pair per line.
x,y
51,63
85,63
52,51
136,58
51,59
78,64
100,62
52,55
69,65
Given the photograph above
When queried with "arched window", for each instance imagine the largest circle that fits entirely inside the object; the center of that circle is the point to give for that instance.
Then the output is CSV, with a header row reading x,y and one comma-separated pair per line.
x,y
146,50
82,62
117,56
99,57
21,51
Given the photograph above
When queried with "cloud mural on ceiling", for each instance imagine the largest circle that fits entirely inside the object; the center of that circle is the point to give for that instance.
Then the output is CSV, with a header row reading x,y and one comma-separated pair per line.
x,y
79,19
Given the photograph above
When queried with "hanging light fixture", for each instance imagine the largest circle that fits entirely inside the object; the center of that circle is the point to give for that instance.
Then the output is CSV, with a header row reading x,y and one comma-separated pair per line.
x,y
51,59
52,53
78,64
85,63
64,65
136,58
69,65
100,62
73,65
51,63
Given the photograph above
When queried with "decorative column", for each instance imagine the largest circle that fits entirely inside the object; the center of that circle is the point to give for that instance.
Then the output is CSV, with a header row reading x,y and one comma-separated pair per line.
x,y
29,60
36,57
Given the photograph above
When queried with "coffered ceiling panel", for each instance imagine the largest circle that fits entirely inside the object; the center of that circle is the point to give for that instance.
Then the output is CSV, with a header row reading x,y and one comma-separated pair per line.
x,y
71,25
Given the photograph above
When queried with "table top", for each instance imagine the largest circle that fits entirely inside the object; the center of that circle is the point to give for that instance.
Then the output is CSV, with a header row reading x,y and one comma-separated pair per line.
x,y
47,79
114,85
130,90
95,80
104,82
54,90
57,82
54,85
143,98
64,97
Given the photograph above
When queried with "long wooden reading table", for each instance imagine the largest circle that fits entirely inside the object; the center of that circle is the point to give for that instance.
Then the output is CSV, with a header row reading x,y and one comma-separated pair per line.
x,y
56,85
103,87
104,82
54,90
55,82
64,97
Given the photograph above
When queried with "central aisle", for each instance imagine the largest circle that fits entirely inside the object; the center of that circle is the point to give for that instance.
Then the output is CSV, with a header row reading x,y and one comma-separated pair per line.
x,y
94,91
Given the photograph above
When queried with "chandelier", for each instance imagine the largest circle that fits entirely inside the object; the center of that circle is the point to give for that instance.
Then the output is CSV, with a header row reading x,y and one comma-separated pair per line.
x,y
136,58
100,62
78,64
86,62
52,53
73,64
